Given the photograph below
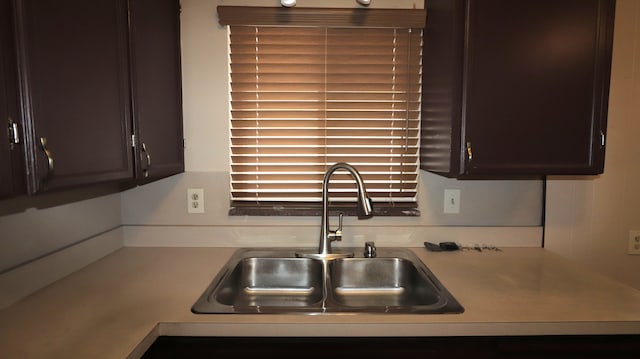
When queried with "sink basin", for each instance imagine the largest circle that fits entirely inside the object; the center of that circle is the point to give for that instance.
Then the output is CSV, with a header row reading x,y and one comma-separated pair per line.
x,y
265,282
276,281
382,282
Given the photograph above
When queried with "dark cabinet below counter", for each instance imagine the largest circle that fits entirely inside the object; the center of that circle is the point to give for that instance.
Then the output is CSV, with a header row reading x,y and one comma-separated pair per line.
x,y
548,347
516,87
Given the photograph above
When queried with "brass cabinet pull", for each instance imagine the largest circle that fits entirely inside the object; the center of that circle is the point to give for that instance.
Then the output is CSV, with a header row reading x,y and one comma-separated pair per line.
x,y
469,152
47,152
148,156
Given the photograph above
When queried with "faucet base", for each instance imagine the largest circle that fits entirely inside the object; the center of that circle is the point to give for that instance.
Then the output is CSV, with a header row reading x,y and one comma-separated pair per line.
x,y
326,256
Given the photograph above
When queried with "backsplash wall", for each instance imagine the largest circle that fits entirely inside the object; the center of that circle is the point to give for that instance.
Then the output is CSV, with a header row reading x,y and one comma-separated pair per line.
x,y
498,212
206,126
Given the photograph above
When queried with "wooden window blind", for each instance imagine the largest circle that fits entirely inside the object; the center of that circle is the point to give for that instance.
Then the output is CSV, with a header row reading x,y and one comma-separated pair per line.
x,y
306,97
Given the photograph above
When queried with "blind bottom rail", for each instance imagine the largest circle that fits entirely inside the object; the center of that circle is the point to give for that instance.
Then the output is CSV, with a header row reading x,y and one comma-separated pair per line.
x,y
271,209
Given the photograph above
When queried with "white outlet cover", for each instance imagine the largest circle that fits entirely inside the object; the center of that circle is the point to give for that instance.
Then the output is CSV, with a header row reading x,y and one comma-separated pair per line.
x,y
195,200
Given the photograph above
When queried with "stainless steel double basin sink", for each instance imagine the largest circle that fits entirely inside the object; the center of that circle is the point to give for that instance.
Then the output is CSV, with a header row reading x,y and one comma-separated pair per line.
x,y
274,280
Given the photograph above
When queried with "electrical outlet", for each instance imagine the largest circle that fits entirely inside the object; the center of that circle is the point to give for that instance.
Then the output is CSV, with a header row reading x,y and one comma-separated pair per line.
x,y
195,200
452,201
634,242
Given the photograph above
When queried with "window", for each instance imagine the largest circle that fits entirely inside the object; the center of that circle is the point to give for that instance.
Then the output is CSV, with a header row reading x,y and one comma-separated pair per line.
x,y
344,87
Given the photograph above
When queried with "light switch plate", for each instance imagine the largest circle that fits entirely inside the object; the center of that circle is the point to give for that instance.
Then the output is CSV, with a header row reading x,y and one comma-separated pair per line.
x,y
451,201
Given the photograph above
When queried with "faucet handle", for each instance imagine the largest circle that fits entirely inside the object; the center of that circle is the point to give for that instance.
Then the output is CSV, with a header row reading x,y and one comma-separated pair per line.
x,y
337,234
370,250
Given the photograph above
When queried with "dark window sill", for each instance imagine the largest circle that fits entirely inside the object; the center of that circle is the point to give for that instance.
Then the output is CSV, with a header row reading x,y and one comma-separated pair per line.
x,y
279,210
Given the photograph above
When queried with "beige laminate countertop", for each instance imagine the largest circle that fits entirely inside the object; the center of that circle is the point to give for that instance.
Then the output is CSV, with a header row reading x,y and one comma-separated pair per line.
x,y
117,306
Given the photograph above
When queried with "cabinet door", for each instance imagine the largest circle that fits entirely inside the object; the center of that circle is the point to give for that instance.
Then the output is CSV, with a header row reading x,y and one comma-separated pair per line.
x,y
11,173
156,88
6,172
515,87
75,91
536,86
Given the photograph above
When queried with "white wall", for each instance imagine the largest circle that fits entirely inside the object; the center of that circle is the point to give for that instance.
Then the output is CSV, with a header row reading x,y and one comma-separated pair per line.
x,y
588,218
46,242
511,208
34,233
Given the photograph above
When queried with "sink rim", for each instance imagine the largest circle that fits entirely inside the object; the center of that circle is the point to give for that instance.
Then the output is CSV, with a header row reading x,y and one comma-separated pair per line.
x,y
206,303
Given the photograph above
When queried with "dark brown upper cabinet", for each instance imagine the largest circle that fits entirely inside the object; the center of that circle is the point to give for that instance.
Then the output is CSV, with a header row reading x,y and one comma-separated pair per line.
x,y
6,137
11,170
516,87
91,94
74,76
156,84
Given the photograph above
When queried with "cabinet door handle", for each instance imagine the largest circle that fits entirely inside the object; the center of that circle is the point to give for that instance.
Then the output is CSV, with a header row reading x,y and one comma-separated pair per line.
x,y
469,152
148,157
47,152
14,134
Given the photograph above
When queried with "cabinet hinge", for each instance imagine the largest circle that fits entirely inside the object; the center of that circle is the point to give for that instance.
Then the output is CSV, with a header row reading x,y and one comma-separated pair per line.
x,y
13,133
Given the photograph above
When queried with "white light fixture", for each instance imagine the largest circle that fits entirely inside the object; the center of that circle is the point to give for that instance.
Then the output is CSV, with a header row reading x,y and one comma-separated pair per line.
x,y
288,3
364,2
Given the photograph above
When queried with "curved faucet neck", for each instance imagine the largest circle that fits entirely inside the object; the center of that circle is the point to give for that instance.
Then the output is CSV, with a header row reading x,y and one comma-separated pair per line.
x,y
364,205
